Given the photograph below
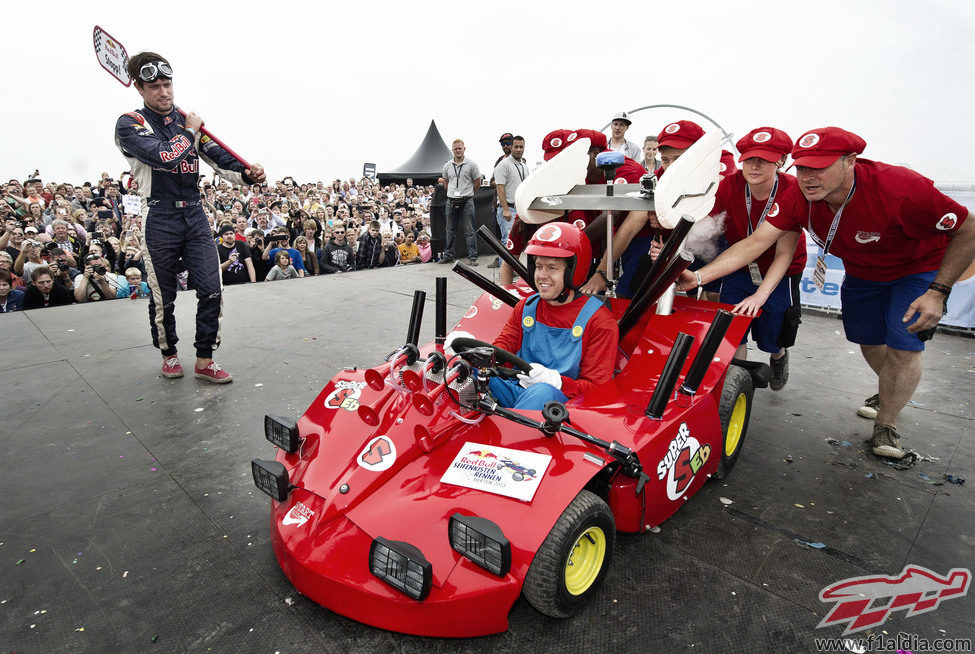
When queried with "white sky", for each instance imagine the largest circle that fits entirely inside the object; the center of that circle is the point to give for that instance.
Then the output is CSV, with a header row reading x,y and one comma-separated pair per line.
x,y
314,90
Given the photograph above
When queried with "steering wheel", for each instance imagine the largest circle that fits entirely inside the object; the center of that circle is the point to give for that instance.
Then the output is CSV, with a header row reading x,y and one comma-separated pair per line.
x,y
462,345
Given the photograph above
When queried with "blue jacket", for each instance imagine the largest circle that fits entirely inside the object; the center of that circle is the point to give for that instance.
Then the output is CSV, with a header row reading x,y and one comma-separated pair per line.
x,y
15,301
164,159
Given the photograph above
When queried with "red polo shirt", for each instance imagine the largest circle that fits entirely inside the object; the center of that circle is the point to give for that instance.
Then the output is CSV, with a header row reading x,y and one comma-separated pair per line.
x,y
730,199
896,223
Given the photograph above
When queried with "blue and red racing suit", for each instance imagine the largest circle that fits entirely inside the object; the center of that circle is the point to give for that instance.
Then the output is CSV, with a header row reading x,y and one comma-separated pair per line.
x,y
164,157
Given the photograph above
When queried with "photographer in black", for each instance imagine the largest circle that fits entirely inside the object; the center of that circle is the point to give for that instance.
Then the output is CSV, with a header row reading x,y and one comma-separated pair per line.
x,y
255,240
60,266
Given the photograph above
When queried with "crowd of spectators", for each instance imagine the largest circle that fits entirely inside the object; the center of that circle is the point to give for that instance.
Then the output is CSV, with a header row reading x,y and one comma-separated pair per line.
x,y
63,243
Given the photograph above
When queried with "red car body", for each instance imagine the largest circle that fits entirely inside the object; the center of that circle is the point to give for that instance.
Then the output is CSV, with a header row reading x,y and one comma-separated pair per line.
x,y
391,474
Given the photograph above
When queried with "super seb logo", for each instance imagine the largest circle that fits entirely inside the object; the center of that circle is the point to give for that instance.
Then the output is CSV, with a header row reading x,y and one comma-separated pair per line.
x,y
685,457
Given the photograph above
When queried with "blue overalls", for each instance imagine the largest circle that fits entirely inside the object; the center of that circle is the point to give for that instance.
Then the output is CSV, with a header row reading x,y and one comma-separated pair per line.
x,y
555,348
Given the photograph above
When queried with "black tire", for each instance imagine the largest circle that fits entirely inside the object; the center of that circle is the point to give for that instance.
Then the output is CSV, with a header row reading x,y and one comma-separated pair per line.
x,y
517,476
546,584
734,424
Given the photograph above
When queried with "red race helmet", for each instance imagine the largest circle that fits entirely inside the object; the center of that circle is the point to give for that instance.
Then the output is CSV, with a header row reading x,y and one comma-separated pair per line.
x,y
562,240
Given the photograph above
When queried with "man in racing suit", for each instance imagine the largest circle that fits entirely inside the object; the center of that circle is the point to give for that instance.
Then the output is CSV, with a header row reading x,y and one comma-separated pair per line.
x,y
163,150
570,339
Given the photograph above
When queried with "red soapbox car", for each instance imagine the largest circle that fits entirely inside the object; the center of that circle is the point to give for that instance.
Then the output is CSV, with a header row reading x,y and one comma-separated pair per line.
x,y
406,499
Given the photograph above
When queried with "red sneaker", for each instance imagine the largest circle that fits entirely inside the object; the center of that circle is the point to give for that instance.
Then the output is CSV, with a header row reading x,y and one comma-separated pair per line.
x,y
213,373
171,367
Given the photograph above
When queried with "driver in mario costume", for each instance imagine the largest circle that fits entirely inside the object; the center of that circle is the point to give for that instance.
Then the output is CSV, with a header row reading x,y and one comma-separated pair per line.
x,y
569,338
163,150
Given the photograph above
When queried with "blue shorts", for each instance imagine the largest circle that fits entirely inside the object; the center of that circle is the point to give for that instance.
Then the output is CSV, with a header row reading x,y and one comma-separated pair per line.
x,y
872,311
767,328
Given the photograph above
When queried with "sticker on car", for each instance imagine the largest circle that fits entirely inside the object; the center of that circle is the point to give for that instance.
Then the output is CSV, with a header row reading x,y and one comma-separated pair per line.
x,y
685,457
298,515
378,455
498,470
345,396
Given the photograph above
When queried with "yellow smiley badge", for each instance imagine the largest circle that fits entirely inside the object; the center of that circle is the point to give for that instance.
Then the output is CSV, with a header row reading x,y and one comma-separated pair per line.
x,y
528,321
577,331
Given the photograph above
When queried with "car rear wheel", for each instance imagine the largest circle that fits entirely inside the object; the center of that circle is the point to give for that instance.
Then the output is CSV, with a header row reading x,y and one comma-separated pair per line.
x,y
734,411
572,562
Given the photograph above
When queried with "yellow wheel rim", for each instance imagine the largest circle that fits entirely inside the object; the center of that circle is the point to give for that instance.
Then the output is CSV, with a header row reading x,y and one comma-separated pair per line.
x,y
585,561
736,425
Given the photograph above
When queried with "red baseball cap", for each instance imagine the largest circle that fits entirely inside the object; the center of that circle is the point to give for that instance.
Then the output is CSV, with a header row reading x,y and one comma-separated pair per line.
x,y
598,139
557,140
766,143
554,142
728,165
680,135
820,148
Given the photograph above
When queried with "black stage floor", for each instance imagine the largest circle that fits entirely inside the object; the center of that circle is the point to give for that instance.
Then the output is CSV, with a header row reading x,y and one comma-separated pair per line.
x,y
129,521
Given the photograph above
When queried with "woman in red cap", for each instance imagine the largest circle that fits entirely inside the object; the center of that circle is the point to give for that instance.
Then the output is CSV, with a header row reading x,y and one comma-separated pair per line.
x,y
770,283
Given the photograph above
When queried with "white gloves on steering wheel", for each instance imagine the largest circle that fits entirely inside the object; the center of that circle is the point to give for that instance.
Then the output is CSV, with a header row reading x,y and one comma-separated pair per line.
x,y
541,375
451,337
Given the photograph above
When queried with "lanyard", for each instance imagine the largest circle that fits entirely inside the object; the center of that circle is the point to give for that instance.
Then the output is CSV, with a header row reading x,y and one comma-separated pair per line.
x,y
457,170
768,205
836,220
520,167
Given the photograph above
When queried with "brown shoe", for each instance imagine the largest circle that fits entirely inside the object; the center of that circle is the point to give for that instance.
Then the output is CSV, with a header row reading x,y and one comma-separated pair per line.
x,y
886,442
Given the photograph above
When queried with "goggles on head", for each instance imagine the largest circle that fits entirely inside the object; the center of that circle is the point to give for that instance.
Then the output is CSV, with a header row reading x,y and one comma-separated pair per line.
x,y
154,70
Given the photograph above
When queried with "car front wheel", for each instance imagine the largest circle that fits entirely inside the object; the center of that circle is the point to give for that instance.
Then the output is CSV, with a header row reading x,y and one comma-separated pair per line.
x,y
572,561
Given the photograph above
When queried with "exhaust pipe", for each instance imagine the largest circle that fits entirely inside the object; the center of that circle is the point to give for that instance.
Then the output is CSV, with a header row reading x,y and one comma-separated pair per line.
x,y
441,323
668,378
702,361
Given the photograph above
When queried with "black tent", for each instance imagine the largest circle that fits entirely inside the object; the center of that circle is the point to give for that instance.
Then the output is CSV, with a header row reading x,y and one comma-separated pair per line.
x,y
426,164
424,167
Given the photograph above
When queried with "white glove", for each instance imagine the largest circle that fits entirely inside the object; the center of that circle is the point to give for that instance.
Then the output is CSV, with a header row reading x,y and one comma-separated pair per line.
x,y
451,337
541,375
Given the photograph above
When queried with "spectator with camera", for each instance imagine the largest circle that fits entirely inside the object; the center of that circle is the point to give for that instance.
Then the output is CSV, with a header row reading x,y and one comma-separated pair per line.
x,y
29,257
12,237
61,269
131,255
255,242
96,282
278,240
390,253
43,291
11,299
